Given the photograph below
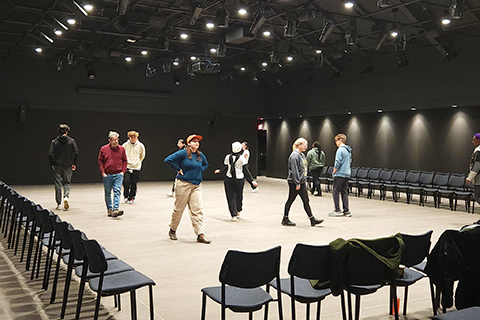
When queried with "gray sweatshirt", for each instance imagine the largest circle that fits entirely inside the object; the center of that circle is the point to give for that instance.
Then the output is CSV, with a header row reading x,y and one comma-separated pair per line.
x,y
297,168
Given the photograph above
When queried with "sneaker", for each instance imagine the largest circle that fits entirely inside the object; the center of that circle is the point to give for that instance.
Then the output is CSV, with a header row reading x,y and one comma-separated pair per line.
x,y
314,221
59,206
234,218
172,234
109,212
117,213
255,190
347,214
125,200
66,205
287,222
131,201
170,194
335,214
202,239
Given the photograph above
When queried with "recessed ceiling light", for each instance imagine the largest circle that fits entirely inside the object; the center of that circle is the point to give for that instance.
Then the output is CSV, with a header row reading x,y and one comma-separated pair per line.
x,y
242,11
349,112
379,110
446,21
213,50
264,64
349,4
184,35
413,108
128,59
144,52
58,32
394,33
175,63
318,51
267,33
88,7
243,68
290,58
193,58
210,25
454,106
38,49
71,21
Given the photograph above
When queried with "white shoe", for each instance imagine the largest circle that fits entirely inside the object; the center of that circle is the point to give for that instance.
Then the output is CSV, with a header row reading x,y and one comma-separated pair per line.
x,y
235,219
66,205
335,214
255,190
59,207
131,201
170,194
125,200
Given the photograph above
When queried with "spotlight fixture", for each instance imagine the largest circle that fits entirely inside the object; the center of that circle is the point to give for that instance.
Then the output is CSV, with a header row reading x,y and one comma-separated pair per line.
x,y
446,21
60,65
176,80
44,38
128,59
318,60
122,6
318,51
88,7
264,64
38,49
75,8
273,58
456,9
379,110
394,33
351,33
413,109
290,58
58,32
257,22
213,50
454,105
183,35
131,40
290,28
242,9
166,67
90,72
242,68
175,63
349,4
383,3
349,112
71,21
150,70
193,58
267,33
71,59
222,18
144,52
255,79
196,11
210,25
327,30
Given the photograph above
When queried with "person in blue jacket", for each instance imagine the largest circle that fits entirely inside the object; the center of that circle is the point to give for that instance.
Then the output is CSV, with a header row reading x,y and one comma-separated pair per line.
x,y
341,174
189,163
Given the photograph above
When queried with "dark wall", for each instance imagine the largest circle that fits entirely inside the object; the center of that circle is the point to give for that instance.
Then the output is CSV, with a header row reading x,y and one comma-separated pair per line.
x,y
433,140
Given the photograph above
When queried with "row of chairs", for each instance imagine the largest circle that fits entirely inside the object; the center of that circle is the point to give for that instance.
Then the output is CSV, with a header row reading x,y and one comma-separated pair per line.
x,y
105,273
423,183
243,275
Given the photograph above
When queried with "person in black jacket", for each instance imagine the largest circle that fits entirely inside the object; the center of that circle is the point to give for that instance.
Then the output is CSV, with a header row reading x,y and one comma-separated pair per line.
x,y
63,156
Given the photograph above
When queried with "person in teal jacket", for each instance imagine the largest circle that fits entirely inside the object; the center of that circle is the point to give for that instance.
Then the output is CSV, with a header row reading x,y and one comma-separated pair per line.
x,y
341,174
189,163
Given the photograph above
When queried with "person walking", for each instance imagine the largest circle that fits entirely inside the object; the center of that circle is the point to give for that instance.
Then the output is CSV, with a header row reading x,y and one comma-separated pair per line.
x,y
297,182
341,174
112,162
181,146
473,178
234,180
189,163
248,176
316,162
63,155
135,151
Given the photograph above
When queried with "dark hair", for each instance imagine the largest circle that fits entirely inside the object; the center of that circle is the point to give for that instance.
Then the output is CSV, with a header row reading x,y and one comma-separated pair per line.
x,y
63,128
316,144
181,141
246,144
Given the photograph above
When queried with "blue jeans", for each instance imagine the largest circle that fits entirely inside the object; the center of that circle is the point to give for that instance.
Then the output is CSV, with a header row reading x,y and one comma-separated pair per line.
x,y
113,181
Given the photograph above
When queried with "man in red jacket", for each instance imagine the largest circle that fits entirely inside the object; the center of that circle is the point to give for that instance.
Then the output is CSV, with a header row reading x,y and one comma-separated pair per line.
x,y
112,162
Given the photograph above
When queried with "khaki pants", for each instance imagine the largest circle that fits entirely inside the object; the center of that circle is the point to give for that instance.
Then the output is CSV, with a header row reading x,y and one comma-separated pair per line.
x,y
191,194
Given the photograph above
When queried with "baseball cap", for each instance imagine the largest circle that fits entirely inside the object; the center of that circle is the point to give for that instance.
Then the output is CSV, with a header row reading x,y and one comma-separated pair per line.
x,y
192,136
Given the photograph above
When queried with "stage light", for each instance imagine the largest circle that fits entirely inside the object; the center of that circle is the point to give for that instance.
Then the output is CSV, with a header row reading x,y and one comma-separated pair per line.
x,y
290,28
90,73
290,58
150,70
383,3
257,22
196,11
176,80
222,17
318,51
122,6
88,7
327,30
394,33
456,9
193,58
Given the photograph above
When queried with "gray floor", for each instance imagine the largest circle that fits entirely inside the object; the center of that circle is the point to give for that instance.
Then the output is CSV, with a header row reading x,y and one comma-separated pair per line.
x,y
181,268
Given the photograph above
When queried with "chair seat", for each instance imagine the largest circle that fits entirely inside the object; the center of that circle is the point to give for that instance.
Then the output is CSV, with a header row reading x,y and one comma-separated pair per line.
x,y
376,184
363,290
462,193
121,282
472,313
239,299
114,266
421,266
410,276
304,292
442,191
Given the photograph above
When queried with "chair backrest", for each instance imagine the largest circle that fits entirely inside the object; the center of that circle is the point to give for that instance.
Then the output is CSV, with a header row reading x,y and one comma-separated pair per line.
x,y
250,269
456,181
374,173
329,171
363,268
324,171
362,173
416,248
426,178
385,175
440,179
412,177
96,258
353,172
310,262
77,244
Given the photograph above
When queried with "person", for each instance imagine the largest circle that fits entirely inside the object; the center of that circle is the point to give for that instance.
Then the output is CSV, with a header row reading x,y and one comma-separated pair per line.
x,y
135,151
473,178
316,161
180,145
297,182
112,162
189,163
246,153
341,174
63,155
234,180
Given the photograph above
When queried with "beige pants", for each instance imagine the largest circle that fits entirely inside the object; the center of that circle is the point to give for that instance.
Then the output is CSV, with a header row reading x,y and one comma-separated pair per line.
x,y
191,194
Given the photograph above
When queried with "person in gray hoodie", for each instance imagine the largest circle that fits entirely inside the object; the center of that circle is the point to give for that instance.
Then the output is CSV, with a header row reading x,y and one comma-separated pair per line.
x,y
341,174
473,177
62,155
297,178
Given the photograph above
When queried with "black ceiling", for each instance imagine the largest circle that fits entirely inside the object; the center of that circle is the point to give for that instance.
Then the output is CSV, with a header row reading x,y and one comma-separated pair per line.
x,y
103,37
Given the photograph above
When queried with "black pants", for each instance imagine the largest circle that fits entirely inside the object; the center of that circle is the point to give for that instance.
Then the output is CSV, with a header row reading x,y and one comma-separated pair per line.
x,y
340,186
248,175
130,180
234,193
316,180
292,194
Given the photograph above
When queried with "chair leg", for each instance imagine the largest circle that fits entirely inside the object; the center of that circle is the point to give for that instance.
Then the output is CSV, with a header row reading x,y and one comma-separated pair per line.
x,y
405,298
68,279
432,296
55,278
133,305
81,289
308,311
319,305
204,305
342,302
357,306
150,291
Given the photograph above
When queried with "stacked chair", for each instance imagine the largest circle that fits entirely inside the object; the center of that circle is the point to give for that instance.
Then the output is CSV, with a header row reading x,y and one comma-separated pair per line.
x,y
104,272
